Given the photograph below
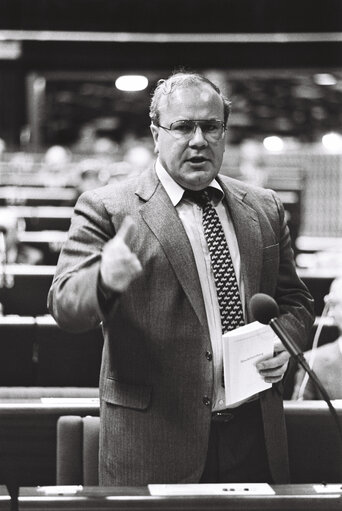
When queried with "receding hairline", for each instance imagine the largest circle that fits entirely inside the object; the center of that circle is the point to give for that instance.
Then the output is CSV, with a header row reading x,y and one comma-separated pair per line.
x,y
166,87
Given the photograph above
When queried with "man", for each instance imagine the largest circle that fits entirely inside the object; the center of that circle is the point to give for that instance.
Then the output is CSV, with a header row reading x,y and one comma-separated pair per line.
x,y
138,260
327,359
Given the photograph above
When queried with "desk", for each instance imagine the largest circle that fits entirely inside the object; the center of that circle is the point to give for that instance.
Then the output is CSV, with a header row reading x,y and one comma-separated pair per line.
x,y
36,352
40,218
4,499
285,498
28,295
37,196
16,341
28,435
49,243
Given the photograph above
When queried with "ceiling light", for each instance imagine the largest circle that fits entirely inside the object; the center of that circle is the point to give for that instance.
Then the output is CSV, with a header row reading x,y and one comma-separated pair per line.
x,y
273,144
325,79
332,142
131,83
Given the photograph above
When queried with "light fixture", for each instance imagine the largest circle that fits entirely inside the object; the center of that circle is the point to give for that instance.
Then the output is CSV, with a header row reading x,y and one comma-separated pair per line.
x,y
273,144
131,83
325,79
332,142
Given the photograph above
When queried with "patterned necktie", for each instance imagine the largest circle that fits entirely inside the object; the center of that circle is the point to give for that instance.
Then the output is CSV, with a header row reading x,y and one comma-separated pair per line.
x,y
221,262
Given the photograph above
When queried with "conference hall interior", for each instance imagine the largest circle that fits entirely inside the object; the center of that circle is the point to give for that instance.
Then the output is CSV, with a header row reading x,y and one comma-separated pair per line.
x,y
76,79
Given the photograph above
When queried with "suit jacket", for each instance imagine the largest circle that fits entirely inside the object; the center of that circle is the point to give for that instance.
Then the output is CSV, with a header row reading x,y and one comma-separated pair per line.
x,y
155,378
328,367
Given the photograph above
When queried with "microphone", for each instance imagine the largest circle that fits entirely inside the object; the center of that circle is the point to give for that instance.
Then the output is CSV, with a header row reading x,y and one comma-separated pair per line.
x,y
265,310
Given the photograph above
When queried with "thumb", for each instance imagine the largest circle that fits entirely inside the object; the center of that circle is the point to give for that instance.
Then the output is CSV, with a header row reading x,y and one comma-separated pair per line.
x,y
127,230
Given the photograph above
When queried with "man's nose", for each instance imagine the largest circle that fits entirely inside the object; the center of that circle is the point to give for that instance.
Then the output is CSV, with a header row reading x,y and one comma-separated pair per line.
x,y
198,138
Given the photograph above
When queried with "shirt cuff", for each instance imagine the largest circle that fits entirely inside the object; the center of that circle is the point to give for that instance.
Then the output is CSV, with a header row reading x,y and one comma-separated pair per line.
x,y
106,297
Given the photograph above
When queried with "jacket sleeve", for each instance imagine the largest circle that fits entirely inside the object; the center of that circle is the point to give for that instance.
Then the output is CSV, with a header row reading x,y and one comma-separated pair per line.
x,y
73,297
292,296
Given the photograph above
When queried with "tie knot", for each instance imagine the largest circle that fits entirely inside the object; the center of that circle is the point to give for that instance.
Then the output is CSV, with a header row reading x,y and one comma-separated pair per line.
x,y
200,197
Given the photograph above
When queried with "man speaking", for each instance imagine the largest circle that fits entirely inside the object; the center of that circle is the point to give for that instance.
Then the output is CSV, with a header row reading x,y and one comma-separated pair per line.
x,y
168,261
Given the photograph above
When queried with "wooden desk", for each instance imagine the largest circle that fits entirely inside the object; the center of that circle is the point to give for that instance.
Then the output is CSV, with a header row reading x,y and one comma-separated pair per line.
x,y
285,498
28,432
48,242
40,218
36,352
4,499
17,342
37,196
28,295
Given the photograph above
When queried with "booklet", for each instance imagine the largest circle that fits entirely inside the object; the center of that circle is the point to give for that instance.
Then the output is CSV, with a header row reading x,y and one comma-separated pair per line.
x,y
242,348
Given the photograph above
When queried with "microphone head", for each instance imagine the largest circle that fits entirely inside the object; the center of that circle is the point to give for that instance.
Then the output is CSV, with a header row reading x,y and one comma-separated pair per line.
x,y
264,308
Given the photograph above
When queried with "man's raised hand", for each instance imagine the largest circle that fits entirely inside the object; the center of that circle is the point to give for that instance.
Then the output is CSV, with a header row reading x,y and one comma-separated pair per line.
x,y
119,265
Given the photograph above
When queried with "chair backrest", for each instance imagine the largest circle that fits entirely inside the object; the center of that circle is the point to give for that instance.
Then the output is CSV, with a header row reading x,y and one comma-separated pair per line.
x,y
77,450
315,449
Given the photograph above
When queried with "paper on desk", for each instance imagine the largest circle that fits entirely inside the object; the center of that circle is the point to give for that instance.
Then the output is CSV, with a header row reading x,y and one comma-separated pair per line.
x,y
242,348
60,489
211,489
327,488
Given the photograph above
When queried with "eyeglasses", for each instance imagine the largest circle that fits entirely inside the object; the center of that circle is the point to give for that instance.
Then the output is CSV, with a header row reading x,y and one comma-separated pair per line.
x,y
212,130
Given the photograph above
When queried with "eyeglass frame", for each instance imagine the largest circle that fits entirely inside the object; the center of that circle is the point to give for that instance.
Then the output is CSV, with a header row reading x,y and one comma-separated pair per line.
x,y
196,125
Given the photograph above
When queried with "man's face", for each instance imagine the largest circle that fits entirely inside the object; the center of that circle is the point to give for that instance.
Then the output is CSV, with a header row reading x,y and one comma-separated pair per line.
x,y
193,163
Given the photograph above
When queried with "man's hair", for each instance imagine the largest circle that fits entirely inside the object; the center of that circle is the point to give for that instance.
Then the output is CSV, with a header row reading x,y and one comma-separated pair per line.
x,y
182,80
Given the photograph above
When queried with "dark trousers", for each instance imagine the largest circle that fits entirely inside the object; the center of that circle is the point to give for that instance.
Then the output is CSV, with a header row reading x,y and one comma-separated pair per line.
x,y
236,451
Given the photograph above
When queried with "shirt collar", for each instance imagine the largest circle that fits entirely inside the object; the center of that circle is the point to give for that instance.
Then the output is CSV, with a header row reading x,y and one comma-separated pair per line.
x,y
173,189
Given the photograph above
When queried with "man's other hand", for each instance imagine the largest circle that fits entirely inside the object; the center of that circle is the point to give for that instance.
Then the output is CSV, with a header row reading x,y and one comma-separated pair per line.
x,y
273,369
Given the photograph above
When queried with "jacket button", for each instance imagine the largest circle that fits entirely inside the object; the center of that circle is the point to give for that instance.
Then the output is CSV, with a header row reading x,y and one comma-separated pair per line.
x,y
206,401
208,355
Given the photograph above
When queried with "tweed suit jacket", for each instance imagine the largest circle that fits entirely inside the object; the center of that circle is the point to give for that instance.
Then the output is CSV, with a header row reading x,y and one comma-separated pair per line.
x,y
155,378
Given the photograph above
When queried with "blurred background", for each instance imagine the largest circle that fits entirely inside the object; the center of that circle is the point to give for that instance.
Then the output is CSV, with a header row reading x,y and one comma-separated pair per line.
x,y
66,120
76,78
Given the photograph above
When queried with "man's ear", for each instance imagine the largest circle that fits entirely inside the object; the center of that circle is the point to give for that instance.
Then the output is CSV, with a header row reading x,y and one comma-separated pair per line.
x,y
155,134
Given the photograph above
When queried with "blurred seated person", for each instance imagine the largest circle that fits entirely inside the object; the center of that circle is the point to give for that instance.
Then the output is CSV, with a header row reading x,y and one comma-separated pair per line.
x,y
91,173
14,252
327,359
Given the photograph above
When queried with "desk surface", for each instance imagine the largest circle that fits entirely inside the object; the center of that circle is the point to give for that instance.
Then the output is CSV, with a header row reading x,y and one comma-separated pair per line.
x,y
284,498
28,270
50,406
40,211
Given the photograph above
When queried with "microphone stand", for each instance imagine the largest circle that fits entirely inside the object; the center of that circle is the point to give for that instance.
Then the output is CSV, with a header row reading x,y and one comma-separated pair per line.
x,y
298,355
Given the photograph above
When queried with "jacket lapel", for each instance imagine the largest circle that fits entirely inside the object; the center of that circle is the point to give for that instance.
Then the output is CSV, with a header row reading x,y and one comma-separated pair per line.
x,y
248,234
160,215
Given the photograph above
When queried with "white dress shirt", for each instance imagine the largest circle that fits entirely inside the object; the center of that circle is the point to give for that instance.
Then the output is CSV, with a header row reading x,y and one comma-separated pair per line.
x,y
191,216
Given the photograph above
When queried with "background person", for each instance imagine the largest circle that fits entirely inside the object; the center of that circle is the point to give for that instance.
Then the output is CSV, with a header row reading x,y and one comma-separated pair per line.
x,y
327,361
139,259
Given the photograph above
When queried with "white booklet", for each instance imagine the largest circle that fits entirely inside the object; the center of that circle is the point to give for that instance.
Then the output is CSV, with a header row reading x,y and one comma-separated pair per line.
x,y
242,348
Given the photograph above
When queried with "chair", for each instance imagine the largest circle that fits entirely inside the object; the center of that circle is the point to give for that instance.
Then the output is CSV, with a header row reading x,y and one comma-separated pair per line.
x,y
77,450
314,447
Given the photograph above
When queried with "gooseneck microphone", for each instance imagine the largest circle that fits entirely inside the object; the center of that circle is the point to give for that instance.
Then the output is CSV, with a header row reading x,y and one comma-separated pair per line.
x,y
265,310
